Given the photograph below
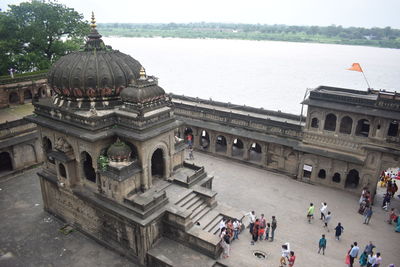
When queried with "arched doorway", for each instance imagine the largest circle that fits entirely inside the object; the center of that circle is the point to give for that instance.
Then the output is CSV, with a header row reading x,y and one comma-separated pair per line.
x,y
204,139
352,179
13,98
47,148
237,148
330,122
62,171
157,164
336,177
220,144
5,162
27,94
255,152
87,165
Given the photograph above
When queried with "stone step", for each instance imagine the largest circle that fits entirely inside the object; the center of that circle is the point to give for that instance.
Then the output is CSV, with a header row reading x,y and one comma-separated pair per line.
x,y
215,230
195,205
185,199
190,202
198,209
208,218
201,212
213,224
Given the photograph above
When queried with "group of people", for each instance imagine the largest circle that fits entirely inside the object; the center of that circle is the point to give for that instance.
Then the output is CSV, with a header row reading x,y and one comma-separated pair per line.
x,y
260,230
367,258
229,231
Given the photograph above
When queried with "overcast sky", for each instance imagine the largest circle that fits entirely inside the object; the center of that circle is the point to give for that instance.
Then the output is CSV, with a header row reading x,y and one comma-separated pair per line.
x,y
360,13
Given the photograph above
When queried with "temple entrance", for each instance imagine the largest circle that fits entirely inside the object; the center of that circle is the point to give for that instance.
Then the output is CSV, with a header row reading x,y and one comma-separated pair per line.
x,y
255,152
5,162
88,169
220,144
13,98
352,179
157,164
204,139
237,148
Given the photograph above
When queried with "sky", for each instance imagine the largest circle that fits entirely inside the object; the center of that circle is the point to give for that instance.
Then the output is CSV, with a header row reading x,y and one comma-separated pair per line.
x,y
358,13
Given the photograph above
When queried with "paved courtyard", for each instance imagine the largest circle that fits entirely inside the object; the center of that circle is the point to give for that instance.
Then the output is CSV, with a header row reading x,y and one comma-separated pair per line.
x,y
31,237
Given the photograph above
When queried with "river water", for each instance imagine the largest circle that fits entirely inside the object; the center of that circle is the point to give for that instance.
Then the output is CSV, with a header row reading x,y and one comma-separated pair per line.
x,y
268,74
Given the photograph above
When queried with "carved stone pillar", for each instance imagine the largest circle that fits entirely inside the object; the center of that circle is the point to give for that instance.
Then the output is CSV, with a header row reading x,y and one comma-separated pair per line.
x,y
212,144
246,148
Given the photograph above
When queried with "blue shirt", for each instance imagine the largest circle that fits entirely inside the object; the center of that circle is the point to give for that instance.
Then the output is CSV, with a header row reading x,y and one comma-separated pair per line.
x,y
354,251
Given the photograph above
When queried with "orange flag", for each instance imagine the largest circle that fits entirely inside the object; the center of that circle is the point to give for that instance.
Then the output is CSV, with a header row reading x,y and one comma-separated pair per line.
x,y
356,67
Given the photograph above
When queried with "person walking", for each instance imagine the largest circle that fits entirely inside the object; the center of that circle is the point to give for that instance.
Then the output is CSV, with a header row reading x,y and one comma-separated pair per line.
x,y
274,224
367,215
353,253
285,254
310,212
338,231
292,259
322,245
327,218
323,210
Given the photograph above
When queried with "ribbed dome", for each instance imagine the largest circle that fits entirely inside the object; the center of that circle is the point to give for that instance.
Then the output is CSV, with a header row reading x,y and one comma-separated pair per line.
x,y
143,90
119,152
96,72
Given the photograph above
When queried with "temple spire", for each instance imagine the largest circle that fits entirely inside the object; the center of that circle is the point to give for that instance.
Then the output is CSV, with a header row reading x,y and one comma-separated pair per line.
x,y
142,73
93,22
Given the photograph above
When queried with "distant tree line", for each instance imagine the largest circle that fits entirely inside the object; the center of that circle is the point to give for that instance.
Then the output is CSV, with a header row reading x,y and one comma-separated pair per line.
x,y
382,37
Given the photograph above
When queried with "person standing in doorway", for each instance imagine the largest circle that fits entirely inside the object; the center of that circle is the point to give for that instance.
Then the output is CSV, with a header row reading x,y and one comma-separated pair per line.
x,y
322,245
310,212
274,224
338,231
323,210
353,253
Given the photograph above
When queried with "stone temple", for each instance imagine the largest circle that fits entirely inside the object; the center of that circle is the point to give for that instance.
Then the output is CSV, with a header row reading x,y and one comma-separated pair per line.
x,y
114,168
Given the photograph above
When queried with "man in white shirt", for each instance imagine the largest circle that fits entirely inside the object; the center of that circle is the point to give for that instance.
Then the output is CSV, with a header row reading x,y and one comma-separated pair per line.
x,y
252,217
323,210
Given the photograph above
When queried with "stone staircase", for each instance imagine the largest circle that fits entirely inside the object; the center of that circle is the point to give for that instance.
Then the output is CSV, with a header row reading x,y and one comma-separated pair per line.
x,y
195,204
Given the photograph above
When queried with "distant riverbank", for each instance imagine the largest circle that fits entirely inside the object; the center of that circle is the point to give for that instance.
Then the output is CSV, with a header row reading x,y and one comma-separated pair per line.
x,y
376,37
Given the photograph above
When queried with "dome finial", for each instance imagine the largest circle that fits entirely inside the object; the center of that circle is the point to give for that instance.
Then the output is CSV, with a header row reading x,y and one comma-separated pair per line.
x,y
93,24
142,73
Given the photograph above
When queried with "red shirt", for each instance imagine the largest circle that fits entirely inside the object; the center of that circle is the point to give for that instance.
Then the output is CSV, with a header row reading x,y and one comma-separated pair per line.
x,y
291,260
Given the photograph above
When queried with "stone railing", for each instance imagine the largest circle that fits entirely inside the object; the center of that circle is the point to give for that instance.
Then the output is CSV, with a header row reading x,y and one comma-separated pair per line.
x,y
32,77
332,141
270,126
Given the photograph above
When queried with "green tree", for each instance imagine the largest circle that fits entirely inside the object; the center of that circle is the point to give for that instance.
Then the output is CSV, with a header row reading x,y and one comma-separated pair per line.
x,y
35,34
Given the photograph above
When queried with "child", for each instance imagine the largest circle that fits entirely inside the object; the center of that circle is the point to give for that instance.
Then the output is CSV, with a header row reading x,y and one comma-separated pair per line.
x,y
261,233
292,258
322,245
310,212
285,254
327,218
267,231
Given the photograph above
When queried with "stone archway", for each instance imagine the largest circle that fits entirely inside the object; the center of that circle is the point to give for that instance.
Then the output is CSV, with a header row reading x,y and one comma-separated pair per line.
x,y
352,179
158,164
5,162
87,167
13,98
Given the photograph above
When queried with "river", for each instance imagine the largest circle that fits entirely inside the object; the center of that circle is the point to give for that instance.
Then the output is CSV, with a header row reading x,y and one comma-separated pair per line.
x,y
269,74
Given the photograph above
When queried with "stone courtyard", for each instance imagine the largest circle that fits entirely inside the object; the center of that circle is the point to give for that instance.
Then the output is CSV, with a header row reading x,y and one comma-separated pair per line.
x,y
31,237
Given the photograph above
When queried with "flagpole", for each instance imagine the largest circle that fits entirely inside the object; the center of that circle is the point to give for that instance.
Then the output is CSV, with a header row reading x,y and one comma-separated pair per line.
x,y
366,80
